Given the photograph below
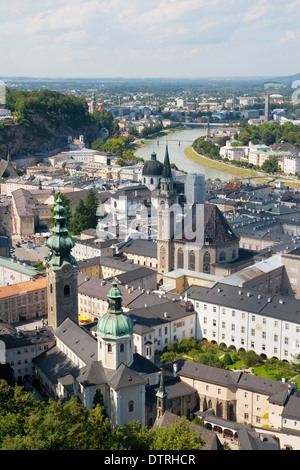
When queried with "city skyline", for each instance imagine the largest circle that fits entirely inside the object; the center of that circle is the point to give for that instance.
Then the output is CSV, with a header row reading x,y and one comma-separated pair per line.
x,y
157,39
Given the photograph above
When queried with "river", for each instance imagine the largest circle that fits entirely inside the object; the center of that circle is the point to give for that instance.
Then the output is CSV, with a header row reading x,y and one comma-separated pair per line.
x,y
176,153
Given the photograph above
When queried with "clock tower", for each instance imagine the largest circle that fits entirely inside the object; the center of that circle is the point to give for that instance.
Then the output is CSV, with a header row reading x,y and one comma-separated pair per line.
x,y
61,271
166,217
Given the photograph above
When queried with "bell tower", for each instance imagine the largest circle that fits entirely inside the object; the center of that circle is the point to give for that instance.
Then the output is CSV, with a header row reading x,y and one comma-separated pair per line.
x,y
166,201
114,333
61,271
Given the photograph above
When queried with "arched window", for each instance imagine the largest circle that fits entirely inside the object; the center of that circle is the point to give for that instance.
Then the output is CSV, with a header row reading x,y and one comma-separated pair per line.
x,y
131,406
233,254
51,289
109,348
151,181
162,256
206,262
222,256
192,261
122,347
180,258
67,290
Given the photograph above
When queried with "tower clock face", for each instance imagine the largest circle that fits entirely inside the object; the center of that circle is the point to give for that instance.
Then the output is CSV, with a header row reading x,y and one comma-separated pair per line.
x,y
66,269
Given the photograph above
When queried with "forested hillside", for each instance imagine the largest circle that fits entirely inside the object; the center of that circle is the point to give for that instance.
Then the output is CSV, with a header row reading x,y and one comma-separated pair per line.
x,y
44,119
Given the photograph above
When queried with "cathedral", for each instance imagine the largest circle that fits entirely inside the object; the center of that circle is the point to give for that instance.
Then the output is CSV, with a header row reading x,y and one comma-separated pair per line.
x,y
191,234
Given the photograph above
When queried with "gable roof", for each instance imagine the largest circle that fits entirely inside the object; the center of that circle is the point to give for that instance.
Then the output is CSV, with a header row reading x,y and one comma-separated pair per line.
x,y
92,374
209,374
211,440
277,392
135,274
77,340
125,377
206,223
55,364
269,305
141,365
292,408
140,247
158,314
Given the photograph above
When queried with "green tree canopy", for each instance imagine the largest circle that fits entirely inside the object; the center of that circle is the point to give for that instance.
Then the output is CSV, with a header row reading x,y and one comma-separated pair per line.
x,y
91,205
179,436
79,220
30,424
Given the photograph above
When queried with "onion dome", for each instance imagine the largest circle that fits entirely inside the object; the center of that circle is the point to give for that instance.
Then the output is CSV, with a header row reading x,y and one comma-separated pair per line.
x,y
152,167
60,242
115,323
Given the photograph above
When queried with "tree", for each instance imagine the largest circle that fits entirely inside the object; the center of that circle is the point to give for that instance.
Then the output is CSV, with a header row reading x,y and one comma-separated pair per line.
x,y
116,146
29,424
91,205
268,137
121,162
227,359
79,220
98,144
105,120
98,398
249,358
179,436
271,165
133,436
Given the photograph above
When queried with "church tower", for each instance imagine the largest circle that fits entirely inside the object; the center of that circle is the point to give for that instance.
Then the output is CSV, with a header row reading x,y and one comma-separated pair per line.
x,y
161,398
61,271
114,333
166,213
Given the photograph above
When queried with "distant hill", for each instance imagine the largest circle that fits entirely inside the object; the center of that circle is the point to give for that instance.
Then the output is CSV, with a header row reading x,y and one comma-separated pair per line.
x,y
288,80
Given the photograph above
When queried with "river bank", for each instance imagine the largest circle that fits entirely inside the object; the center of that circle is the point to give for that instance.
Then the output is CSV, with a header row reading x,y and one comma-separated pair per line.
x,y
238,172
196,157
177,140
185,158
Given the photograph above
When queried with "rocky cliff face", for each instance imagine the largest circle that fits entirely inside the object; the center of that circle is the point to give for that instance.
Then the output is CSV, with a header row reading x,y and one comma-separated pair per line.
x,y
40,134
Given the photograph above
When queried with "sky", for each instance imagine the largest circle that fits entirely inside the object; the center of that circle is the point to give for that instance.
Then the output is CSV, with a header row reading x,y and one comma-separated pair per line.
x,y
149,38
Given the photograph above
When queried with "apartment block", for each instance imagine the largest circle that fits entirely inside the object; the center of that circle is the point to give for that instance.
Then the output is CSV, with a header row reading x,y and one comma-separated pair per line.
x,y
246,319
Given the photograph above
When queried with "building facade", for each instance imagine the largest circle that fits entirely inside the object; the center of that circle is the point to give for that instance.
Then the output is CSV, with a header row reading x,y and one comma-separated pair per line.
x,y
247,320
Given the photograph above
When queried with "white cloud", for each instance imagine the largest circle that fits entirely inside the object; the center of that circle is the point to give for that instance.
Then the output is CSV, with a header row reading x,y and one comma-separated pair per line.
x,y
288,37
155,33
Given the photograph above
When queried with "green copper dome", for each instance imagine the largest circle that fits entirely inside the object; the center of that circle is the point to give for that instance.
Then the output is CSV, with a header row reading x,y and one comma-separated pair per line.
x,y
115,323
60,243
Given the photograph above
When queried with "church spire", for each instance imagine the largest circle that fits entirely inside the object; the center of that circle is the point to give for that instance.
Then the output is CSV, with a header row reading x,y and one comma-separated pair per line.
x,y
167,172
161,397
60,243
